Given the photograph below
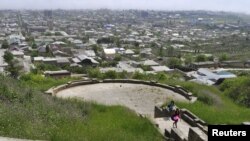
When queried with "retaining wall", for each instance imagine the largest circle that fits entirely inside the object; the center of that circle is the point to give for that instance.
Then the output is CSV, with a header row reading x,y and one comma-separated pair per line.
x,y
177,89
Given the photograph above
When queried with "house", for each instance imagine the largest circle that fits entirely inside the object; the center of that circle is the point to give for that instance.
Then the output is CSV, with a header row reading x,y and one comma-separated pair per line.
x,y
38,59
51,61
62,61
109,53
209,77
207,64
85,60
37,29
41,41
57,74
127,66
41,49
129,52
146,52
233,64
18,53
149,63
247,64
15,39
161,69
89,53
60,53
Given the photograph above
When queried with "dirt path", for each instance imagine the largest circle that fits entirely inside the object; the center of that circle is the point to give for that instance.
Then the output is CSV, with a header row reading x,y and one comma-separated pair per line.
x,y
138,97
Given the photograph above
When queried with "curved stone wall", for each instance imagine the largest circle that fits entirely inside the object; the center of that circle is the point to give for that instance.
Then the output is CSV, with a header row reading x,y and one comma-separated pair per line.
x,y
178,89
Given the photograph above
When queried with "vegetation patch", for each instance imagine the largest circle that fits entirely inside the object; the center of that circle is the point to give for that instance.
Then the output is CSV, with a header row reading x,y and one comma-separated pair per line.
x,y
25,112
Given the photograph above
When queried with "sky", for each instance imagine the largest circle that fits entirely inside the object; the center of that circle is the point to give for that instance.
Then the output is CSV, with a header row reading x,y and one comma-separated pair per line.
x,y
213,5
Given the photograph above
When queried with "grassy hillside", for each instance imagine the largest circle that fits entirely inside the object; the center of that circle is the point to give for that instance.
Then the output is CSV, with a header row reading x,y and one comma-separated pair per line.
x,y
25,112
213,105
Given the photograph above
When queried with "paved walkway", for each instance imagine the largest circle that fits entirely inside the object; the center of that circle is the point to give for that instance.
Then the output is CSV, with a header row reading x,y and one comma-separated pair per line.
x,y
166,123
138,97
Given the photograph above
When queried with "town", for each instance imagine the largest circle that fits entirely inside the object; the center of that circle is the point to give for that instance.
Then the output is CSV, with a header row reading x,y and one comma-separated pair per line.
x,y
117,74
67,42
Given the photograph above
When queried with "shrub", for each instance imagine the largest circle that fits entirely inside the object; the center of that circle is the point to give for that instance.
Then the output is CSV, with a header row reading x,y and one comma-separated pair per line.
x,y
206,99
237,89
110,74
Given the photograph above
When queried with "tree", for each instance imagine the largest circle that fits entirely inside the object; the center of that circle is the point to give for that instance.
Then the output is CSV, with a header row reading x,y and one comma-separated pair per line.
x,y
13,67
196,48
110,74
188,59
48,34
8,57
47,49
117,42
5,44
223,57
118,57
95,48
34,46
174,62
161,51
170,51
201,58
58,34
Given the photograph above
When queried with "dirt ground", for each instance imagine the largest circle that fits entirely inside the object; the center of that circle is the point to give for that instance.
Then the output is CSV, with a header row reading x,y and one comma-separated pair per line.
x,y
138,97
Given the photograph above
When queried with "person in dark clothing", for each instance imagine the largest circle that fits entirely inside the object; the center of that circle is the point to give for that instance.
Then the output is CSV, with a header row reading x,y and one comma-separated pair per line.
x,y
171,106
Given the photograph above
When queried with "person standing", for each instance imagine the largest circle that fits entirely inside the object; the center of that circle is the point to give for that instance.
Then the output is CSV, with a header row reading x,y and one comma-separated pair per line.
x,y
176,117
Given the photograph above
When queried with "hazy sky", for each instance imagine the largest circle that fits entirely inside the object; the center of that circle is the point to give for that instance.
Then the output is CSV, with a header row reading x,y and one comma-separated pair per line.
x,y
217,5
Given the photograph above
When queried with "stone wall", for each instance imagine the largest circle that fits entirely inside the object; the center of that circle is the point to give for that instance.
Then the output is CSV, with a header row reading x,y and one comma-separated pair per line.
x,y
195,134
177,135
176,89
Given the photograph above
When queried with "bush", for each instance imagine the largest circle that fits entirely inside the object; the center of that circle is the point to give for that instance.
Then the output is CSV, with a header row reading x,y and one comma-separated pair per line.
x,y
110,75
94,73
206,99
237,89
138,75
201,58
174,62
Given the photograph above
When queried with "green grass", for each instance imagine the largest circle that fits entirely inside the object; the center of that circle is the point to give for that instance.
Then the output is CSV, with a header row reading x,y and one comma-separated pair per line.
x,y
42,83
28,113
222,111
110,123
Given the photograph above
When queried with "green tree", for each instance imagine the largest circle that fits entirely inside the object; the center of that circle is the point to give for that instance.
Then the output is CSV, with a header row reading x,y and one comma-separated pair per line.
x,y
196,48
223,57
95,48
188,59
47,49
170,51
118,57
110,75
58,34
5,44
13,68
201,58
161,51
8,57
34,46
174,62
48,34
